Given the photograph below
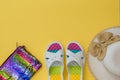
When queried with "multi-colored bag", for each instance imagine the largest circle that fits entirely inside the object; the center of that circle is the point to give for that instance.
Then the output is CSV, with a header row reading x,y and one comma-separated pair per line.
x,y
20,65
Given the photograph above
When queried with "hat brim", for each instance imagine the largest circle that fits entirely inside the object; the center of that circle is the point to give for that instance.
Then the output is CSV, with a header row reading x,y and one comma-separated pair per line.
x,y
97,67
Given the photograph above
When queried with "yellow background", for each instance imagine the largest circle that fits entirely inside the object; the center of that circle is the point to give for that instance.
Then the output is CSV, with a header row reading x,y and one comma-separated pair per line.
x,y
36,23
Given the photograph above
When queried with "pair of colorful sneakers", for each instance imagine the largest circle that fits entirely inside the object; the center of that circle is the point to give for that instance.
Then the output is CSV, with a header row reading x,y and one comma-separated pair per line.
x,y
20,65
74,61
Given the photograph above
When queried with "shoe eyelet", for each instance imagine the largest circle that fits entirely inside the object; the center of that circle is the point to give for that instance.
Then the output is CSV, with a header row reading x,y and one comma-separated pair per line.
x,y
47,58
82,58
67,56
61,55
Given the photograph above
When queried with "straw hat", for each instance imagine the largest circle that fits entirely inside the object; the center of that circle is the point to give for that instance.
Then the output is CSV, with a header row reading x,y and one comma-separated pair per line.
x,y
104,55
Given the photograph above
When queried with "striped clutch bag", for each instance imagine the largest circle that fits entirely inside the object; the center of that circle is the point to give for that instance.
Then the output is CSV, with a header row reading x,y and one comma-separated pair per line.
x,y
20,65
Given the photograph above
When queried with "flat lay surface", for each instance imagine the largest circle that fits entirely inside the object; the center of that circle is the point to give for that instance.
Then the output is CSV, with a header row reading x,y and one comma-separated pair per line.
x,y
36,23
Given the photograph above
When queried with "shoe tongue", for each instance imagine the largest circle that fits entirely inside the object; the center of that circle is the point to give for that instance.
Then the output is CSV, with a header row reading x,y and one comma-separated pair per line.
x,y
73,47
